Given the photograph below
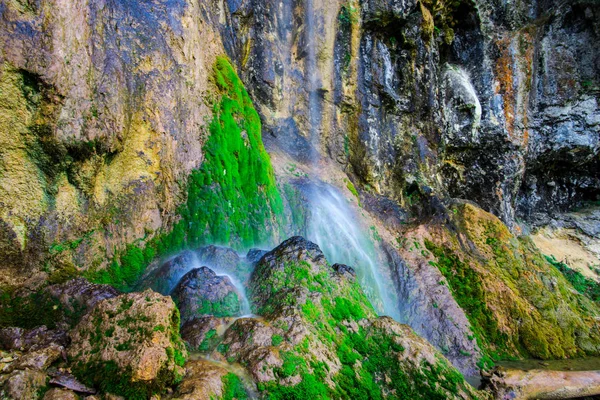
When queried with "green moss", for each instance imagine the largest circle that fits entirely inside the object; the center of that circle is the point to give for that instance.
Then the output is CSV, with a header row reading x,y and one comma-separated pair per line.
x,y
582,284
210,341
353,190
232,198
370,357
233,388
276,340
468,291
109,378
34,310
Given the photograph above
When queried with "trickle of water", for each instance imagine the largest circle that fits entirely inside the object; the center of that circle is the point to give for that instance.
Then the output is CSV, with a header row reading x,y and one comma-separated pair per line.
x,y
333,226
244,303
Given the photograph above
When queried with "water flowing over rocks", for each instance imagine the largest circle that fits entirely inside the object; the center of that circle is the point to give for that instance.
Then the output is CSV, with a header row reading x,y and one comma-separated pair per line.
x,y
202,292
432,161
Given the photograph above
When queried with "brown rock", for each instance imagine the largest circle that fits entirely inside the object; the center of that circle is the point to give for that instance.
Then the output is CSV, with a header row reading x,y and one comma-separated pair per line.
x,y
543,384
40,359
60,394
138,334
23,384
203,333
203,381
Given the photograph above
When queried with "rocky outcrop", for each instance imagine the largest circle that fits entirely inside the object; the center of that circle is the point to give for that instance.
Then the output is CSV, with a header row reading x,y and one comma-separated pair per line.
x,y
543,384
129,345
202,292
205,381
319,336
515,301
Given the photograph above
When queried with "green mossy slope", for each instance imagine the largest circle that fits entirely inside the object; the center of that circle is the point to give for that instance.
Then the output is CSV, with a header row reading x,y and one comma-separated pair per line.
x,y
327,336
518,304
232,198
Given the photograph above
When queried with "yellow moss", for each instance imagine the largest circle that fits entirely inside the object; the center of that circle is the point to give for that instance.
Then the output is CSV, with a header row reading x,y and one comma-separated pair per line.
x,y
427,24
533,306
139,160
22,187
67,200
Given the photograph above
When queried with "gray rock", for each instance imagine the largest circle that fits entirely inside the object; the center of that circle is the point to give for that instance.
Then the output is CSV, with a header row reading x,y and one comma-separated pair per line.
x,y
23,384
202,292
33,339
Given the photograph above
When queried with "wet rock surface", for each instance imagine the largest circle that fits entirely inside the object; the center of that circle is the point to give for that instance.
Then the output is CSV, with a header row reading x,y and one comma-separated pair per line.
x,y
203,333
302,301
202,292
543,384
203,381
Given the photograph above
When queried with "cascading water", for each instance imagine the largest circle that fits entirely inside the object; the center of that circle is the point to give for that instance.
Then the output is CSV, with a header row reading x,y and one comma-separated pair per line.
x,y
332,224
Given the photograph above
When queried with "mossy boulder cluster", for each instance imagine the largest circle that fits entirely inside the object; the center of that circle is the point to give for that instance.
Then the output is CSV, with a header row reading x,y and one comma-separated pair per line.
x,y
129,345
319,337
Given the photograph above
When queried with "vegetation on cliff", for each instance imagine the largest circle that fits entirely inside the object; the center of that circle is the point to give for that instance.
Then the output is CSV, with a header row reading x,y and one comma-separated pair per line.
x,y
518,304
326,340
231,199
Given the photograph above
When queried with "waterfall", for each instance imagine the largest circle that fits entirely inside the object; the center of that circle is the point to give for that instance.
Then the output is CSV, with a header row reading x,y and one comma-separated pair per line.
x,y
332,224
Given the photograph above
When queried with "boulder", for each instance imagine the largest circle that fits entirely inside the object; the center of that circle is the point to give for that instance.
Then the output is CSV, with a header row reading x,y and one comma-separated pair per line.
x,y
166,276
319,337
78,297
202,292
129,345
60,394
31,339
203,333
205,380
23,384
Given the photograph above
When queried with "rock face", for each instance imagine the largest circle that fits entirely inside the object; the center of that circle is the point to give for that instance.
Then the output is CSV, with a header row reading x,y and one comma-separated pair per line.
x,y
202,292
129,345
515,301
132,130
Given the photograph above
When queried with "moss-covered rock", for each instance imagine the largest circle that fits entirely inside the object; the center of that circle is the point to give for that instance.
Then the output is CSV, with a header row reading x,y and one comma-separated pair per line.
x,y
129,345
206,380
518,304
319,337
202,292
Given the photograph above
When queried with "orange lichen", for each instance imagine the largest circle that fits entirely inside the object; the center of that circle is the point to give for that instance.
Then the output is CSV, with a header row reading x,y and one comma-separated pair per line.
x,y
514,71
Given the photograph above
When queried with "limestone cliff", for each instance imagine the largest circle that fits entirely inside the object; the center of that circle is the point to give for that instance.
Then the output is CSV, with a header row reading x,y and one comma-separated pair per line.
x,y
455,144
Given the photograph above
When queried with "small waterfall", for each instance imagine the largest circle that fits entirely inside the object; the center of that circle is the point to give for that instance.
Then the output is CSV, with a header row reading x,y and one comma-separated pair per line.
x,y
244,303
333,226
